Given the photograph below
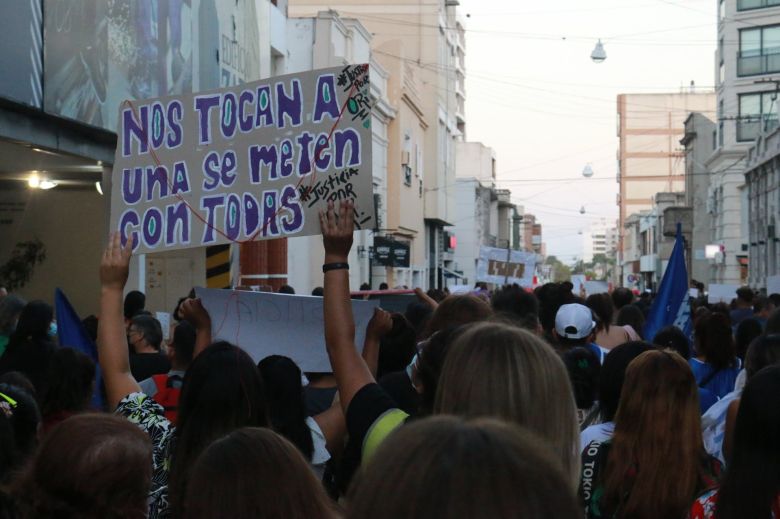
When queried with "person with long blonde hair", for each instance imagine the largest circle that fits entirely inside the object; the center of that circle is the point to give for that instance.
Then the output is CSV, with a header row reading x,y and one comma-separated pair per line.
x,y
655,464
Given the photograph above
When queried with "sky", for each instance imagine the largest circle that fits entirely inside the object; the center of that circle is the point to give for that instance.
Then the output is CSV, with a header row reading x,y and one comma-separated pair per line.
x,y
534,95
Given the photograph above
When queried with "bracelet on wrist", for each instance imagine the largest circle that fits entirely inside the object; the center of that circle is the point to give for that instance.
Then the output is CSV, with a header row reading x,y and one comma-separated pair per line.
x,y
334,266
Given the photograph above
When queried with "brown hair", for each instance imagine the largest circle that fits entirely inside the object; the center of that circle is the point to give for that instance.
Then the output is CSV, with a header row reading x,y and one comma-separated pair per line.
x,y
601,305
653,467
254,472
500,371
91,466
445,467
715,341
458,310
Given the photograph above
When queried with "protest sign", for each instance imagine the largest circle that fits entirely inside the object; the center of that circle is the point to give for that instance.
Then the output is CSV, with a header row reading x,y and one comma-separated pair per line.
x,y
458,290
499,266
266,324
578,280
596,287
165,323
772,285
721,293
250,162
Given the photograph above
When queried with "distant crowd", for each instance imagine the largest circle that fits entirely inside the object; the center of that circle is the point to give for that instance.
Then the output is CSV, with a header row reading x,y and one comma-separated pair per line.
x,y
500,403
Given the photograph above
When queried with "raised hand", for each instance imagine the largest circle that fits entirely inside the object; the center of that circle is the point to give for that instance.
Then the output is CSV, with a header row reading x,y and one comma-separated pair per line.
x,y
193,312
381,324
115,263
337,228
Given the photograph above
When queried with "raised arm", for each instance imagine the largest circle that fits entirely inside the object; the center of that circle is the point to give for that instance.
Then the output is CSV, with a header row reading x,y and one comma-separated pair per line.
x,y
348,367
380,325
425,298
112,341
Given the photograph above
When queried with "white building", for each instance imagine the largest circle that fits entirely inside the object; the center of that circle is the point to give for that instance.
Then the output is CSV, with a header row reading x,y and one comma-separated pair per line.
x,y
748,54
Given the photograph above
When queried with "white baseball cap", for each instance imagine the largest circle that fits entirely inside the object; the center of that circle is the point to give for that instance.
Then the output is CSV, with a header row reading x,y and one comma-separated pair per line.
x,y
574,321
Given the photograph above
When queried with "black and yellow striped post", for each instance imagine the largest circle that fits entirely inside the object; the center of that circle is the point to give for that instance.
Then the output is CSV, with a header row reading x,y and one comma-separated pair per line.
x,y
218,266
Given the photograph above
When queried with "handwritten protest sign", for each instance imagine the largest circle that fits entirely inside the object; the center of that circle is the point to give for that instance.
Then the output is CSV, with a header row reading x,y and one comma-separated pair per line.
x,y
493,267
250,162
264,324
596,287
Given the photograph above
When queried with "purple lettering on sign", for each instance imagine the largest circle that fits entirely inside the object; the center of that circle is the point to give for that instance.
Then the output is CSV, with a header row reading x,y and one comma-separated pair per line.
x,y
132,185
251,214
293,221
325,102
343,138
210,204
264,115
228,119
181,182
204,104
152,227
244,117
285,167
177,224
259,155
269,201
304,159
175,136
233,216
129,218
131,130
289,107
321,153
156,177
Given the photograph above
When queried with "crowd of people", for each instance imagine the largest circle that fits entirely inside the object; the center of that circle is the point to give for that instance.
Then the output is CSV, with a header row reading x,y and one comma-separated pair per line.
x,y
529,404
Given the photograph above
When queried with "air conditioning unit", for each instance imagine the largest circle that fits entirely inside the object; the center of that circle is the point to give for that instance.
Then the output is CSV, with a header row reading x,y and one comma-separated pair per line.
x,y
405,158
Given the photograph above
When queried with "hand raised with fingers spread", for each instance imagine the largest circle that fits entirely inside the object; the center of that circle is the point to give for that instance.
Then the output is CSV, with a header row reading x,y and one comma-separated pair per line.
x,y
337,228
115,264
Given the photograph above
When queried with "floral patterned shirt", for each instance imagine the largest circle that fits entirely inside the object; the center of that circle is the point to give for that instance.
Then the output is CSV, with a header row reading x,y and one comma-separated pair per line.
x,y
704,506
150,417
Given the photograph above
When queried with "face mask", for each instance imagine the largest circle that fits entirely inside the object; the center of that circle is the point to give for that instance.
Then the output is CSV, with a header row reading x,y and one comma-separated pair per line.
x,y
53,329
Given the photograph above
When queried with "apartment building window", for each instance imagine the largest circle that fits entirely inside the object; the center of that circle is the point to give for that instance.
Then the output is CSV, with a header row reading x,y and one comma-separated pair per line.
x,y
722,60
746,5
721,9
757,113
759,51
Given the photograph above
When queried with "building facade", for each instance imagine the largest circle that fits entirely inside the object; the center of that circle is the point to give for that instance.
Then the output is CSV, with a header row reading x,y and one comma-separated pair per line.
x,y
747,56
762,177
426,41
650,158
698,143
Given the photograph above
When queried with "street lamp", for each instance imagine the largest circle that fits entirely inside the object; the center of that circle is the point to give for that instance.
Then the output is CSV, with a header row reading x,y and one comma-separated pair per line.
x,y
599,54
587,172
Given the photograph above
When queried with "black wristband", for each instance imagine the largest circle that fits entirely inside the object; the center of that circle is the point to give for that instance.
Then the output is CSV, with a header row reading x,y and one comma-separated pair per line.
x,y
334,266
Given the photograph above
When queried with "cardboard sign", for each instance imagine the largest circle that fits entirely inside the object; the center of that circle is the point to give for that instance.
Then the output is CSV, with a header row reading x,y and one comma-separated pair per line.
x,y
721,293
578,280
459,290
251,162
499,266
772,285
266,324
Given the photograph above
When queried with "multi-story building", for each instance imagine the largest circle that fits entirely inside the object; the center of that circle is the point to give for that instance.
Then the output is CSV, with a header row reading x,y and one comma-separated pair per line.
x,y
328,40
747,58
650,159
762,177
657,235
699,145
426,40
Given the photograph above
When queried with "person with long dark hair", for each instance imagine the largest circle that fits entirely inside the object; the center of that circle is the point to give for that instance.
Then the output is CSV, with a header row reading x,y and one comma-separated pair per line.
x,y
287,410
70,382
31,345
715,365
655,464
751,486
222,390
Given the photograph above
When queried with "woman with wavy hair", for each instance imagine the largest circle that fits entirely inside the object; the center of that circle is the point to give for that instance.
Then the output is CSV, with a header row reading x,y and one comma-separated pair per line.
x,y
655,464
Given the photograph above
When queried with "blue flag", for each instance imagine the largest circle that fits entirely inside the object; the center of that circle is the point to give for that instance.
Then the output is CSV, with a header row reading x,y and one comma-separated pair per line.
x,y
72,334
670,305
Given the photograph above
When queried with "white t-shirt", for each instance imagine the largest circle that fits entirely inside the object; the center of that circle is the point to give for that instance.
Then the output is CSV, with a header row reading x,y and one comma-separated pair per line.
x,y
713,425
596,433
320,454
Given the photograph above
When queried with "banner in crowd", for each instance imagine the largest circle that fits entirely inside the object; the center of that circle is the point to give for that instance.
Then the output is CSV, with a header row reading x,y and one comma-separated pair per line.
x,y
721,293
499,266
772,285
671,306
251,162
264,324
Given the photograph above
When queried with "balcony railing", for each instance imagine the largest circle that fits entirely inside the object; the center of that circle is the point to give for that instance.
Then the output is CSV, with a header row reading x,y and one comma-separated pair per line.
x,y
746,5
748,128
753,63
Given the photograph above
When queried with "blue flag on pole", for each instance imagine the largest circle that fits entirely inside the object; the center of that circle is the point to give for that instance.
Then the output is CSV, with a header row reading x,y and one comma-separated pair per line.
x,y
72,334
670,305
